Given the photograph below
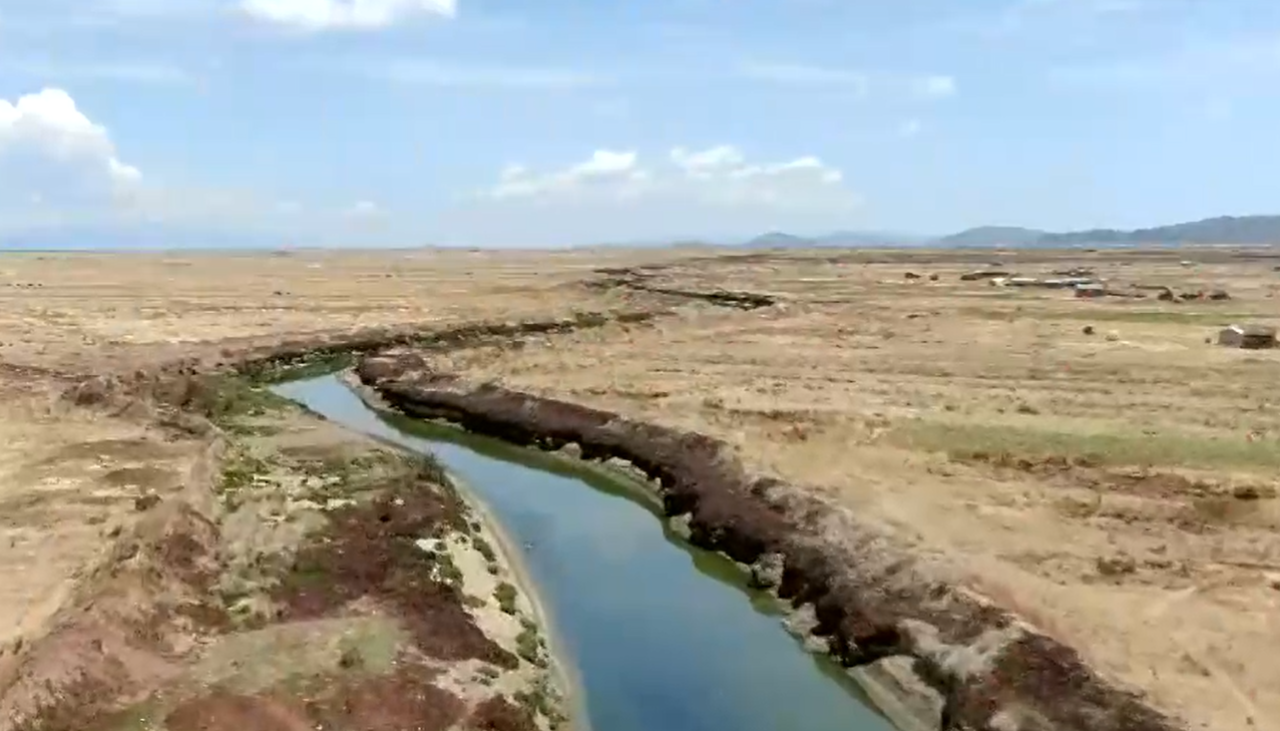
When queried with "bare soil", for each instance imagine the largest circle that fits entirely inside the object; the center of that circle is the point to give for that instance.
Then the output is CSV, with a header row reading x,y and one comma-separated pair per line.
x,y
1115,487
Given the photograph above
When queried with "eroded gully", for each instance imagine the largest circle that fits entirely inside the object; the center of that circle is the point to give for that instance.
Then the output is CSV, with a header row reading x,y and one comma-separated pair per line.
x,y
657,631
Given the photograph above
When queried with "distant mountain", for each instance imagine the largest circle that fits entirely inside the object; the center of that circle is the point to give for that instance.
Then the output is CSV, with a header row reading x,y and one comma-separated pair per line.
x,y
780,240
1220,230
870,238
993,236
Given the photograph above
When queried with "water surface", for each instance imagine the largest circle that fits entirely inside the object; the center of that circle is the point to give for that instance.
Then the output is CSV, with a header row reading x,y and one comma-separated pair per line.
x,y
663,636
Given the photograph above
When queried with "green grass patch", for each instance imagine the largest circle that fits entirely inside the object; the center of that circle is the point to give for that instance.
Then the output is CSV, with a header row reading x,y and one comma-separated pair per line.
x,y
506,596
541,700
226,400
966,442
486,550
273,372
529,645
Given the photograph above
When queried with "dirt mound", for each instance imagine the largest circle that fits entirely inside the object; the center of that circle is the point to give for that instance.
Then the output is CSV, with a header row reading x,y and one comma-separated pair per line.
x,y
871,600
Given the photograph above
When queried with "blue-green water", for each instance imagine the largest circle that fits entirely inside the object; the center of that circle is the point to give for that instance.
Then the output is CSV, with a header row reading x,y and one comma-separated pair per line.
x,y
662,636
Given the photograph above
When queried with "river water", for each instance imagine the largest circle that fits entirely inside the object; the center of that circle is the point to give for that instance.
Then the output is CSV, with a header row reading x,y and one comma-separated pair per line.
x,y
661,635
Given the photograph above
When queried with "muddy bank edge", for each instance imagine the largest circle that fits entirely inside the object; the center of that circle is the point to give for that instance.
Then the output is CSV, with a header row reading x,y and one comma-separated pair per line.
x,y
927,643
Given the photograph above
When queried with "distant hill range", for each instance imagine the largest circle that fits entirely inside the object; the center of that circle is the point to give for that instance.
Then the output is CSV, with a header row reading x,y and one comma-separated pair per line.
x,y
1220,230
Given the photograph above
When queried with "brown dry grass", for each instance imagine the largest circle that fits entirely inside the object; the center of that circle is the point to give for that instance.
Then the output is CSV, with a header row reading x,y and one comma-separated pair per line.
x,y
1084,480
69,477
90,312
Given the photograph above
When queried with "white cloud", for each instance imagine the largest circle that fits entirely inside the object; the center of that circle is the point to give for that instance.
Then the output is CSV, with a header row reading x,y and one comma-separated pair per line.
x,y
434,73
50,149
860,83
318,15
716,176
793,74
605,171
910,128
936,87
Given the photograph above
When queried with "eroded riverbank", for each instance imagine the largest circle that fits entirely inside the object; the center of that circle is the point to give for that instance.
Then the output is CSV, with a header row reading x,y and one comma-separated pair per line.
x,y
660,632
977,665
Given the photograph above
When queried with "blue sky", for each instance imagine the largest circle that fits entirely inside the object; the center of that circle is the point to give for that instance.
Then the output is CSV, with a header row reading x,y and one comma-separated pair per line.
x,y
495,122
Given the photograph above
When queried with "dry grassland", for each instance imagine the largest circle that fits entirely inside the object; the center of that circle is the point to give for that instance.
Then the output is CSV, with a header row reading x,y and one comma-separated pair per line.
x,y
71,479
94,312
1118,488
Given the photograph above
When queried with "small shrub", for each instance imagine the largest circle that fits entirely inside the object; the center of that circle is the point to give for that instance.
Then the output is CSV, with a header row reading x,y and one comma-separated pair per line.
x,y
506,596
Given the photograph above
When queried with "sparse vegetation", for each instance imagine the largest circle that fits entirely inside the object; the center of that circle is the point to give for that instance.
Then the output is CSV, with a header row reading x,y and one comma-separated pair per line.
x,y
485,550
506,595
530,645
965,441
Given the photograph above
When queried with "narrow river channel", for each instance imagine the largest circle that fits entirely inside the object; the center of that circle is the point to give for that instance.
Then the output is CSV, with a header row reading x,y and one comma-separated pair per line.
x,y
661,635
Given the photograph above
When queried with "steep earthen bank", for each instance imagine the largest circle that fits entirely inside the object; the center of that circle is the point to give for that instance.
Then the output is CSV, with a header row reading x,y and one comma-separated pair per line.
x,y
869,600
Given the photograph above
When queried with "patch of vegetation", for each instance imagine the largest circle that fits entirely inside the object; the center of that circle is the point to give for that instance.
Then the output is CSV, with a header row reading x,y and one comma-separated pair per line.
x,y
506,595
227,399
541,700
446,570
485,549
970,442
312,366
241,470
529,644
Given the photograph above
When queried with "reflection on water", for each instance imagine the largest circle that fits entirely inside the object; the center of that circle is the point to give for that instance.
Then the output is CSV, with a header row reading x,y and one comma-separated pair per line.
x,y
660,632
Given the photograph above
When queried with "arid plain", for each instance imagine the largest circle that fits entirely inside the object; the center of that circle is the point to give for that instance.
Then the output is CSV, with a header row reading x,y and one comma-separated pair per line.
x,y
1100,466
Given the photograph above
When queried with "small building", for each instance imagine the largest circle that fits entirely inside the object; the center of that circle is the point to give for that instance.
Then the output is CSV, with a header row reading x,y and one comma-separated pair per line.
x,y
1253,337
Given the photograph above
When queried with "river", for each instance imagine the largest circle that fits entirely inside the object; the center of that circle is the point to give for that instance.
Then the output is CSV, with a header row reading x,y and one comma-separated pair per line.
x,y
663,636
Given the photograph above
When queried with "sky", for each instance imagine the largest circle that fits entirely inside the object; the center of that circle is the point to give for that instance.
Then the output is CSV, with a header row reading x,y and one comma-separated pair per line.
x,y
505,123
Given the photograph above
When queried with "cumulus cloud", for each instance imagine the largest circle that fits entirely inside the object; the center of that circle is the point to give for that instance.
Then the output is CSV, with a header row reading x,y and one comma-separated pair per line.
x,y
606,171
52,150
318,15
718,175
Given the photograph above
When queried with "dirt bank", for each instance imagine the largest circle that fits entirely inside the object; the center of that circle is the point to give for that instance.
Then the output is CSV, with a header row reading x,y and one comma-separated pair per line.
x,y
869,599
302,577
